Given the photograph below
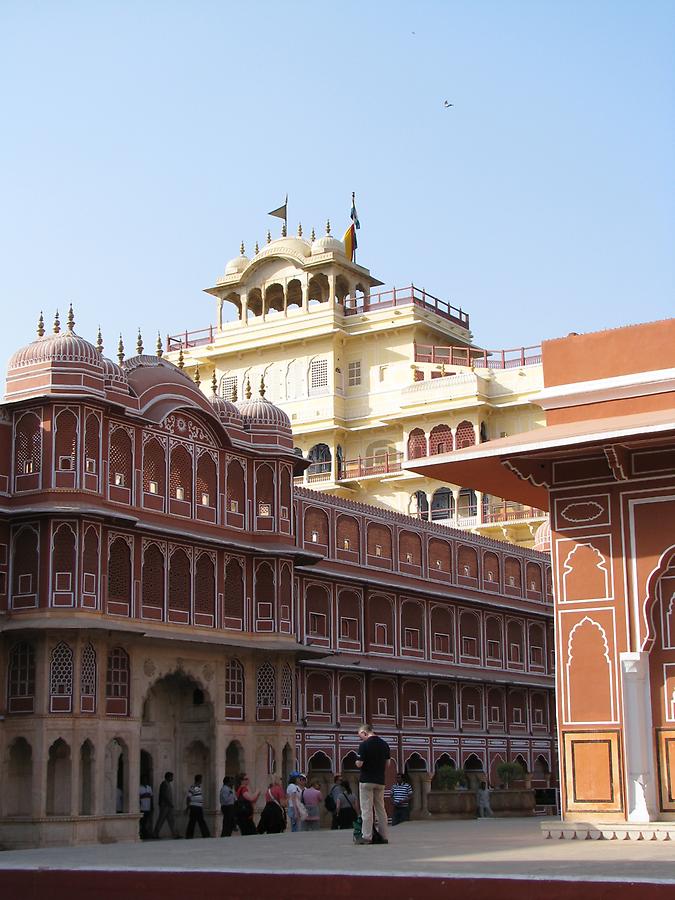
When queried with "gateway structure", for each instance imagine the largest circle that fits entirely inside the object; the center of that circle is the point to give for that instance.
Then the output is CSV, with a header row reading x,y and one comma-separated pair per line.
x,y
369,379
171,600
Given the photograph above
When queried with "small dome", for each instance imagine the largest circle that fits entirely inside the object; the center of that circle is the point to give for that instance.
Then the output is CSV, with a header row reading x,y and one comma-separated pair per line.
x,y
293,244
226,411
542,537
258,411
64,347
112,371
236,265
327,244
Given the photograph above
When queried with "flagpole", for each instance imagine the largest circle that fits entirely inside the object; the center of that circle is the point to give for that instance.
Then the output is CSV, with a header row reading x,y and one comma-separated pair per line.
x,y
353,224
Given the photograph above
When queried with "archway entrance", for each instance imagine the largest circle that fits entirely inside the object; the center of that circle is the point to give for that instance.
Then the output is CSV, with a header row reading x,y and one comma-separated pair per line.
x,y
177,733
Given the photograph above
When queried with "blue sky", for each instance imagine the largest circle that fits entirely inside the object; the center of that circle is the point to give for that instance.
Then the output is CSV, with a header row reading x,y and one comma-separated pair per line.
x,y
142,141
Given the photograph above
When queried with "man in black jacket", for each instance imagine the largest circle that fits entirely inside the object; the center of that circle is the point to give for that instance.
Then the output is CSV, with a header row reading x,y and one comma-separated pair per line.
x,y
372,758
166,806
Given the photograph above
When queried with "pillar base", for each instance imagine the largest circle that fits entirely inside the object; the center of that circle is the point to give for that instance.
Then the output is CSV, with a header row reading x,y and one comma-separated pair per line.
x,y
607,831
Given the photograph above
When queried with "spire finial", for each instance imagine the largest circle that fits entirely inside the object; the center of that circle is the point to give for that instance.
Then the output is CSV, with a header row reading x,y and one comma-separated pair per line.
x,y
71,318
234,392
313,236
299,229
283,229
181,359
160,352
120,350
262,385
41,325
327,226
198,380
241,249
99,342
57,324
269,236
248,388
139,344
257,249
214,383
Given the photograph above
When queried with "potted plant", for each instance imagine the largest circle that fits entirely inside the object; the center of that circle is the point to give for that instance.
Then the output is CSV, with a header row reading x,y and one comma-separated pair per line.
x,y
508,772
509,801
449,796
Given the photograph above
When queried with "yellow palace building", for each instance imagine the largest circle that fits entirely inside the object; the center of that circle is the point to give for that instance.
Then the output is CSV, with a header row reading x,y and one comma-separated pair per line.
x,y
370,378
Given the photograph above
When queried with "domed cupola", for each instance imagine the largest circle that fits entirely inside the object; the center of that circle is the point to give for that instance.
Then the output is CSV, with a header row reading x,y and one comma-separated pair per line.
x,y
238,264
327,243
263,419
542,537
60,362
226,410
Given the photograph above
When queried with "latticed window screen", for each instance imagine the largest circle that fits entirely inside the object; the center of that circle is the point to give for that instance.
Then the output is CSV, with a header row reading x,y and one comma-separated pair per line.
x,y
318,375
286,687
234,590
179,581
205,585
88,671
26,559
180,477
119,571
21,675
91,443
120,468
90,556
28,446
236,491
265,487
61,670
465,435
206,480
354,373
117,676
63,559
266,685
228,386
153,576
154,467
66,441
234,683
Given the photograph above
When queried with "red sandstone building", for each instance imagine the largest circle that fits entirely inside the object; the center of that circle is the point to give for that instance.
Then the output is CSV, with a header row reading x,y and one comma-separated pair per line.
x,y
605,467
168,600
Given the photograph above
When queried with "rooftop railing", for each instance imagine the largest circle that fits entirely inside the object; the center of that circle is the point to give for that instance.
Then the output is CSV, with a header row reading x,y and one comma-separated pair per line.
x,y
188,339
482,359
404,297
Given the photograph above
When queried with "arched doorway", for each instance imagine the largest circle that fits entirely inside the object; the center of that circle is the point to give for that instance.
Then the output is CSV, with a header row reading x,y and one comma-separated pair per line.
x,y
234,759
415,771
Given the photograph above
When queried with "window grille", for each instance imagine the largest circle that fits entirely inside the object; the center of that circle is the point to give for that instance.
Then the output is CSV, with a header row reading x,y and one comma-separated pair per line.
x,y
286,687
91,443
154,468
63,558
117,677
88,671
121,459
234,683
382,706
317,703
318,376
234,590
206,480
66,441
179,581
119,571
61,671
350,705
228,387
354,373
493,650
517,715
153,577
22,670
26,559
28,452
205,586
443,712
180,477
266,686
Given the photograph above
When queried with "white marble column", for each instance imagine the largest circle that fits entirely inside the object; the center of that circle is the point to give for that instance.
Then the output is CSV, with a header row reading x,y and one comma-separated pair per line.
x,y
638,737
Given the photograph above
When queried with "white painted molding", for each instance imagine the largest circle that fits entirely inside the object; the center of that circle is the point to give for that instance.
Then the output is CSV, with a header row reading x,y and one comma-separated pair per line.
x,y
619,387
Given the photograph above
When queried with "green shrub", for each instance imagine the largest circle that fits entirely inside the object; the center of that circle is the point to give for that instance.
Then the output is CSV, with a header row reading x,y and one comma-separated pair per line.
x,y
510,771
448,777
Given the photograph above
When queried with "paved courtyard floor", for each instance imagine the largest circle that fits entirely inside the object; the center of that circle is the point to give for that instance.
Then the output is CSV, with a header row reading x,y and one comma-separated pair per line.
x,y
476,848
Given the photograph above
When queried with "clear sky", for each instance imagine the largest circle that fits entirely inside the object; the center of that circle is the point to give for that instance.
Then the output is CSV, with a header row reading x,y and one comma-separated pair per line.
x,y
142,141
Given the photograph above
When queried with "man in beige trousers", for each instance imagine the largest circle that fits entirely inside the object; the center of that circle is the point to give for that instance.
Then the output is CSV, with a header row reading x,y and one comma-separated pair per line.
x,y
372,758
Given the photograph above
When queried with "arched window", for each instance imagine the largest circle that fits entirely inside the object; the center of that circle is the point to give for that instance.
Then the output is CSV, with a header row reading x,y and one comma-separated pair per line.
x,y
234,594
90,568
119,573
320,458
65,442
152,580
417,444
419,506
205,588
236,488
180,474
63,566
28,445
88,679
440,440
285,492
61,678
316,526
266,687
92,437
264,491
465,436
379,541
234,689
21,677
442,504
121,460
117,682
25,568
180,594
348,534
154,468
264,592
207,480
287,690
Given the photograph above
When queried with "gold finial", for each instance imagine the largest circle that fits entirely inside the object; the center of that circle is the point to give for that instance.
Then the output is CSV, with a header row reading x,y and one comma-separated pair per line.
x,y
327,226
160,352
120,350
139,344
248,388
57,324
262,385
269,236
99,342
41,325
198,380
214,383
241,248
234,392
313,236
299,229
71,318
283,229
257,249
181,360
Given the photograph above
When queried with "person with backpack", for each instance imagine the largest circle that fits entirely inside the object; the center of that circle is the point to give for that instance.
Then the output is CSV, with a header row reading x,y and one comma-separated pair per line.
x,y
273,816
346,806
331,801
244,806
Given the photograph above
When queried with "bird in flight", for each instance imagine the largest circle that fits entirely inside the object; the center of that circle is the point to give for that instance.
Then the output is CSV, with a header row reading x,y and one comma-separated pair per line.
x,y
446,105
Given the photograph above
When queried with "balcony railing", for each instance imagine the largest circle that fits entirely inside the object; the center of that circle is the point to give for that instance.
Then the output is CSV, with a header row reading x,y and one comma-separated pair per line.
x,y
362,466
471,516
404,297
482,359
